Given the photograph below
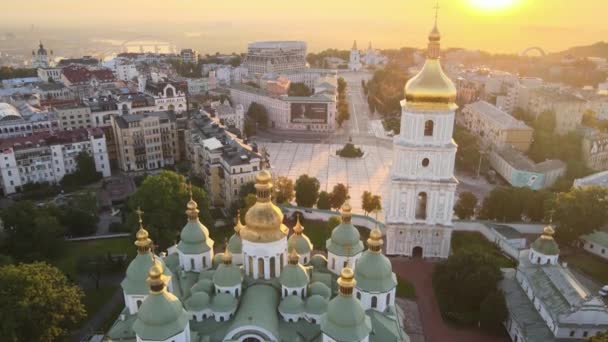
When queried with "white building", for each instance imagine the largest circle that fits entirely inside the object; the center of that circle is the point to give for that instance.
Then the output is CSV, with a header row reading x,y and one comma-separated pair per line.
x,y
545,300
48,157
25,121
596,243
41,58
420,202
49,73
225,114
354,62
168,95
373,57
275,57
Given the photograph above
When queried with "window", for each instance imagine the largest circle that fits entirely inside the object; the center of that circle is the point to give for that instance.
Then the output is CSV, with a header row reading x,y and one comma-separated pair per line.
x,y
425,162
191,264
374,301
571,333
358,295
585,333
388,299
421,206
428,128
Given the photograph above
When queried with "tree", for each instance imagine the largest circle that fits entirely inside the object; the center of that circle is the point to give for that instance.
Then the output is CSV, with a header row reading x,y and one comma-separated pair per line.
x,y
38,303
341,85
601,337
465,206
338,196
324,201
462,282
32,233
258,114
333,222
284,192
307,191
545,122
493,312
85,173
163,198
376,203
371,203
580,211
299,89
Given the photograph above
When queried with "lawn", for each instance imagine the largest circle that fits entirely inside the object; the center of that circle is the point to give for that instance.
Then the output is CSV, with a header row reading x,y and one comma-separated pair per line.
x,y
405,289
319,231
77,249
593,266
474,241
94,299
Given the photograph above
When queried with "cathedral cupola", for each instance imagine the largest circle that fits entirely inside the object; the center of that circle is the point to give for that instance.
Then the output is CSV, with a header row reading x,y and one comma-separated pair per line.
x,y
344,243
228,277
235,244
294,277
545,250
195,247
300,242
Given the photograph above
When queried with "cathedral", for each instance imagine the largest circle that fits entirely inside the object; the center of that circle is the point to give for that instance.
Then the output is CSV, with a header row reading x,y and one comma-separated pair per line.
x,y
421,198
267,285
41,58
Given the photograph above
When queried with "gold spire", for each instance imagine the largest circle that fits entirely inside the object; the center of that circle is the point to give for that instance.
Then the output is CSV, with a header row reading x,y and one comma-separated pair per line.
x,y
192,207
239,226
293,257
298,228
143,240
548,233
227,256
156,279
375,242
346,281
345,212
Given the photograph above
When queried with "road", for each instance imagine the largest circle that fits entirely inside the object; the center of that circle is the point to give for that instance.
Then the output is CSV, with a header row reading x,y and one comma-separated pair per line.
x,y
358,125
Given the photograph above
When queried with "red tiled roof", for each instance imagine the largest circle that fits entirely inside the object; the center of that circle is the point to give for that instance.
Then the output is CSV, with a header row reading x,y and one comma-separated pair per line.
x,y
50,138
81,74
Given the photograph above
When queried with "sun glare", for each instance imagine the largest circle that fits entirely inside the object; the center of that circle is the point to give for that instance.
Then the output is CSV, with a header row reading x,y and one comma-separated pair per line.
x,y
492,5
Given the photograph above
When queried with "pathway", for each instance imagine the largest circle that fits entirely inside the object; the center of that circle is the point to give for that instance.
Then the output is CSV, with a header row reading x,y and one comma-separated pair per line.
x,y
420,272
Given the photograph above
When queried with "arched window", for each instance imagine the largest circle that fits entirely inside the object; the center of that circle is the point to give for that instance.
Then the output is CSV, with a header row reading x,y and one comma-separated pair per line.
x,y
272,267
358,295
538,260
286,293
169,92
333,263
236,292
260,268
204,261
388,299
421,206
429,126
295,292
251,266
194,317
192,264
138,303
374,301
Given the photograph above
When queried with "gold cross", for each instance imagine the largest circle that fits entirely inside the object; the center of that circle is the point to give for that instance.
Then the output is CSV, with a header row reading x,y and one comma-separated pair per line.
x,y
436,11
139,213
189,187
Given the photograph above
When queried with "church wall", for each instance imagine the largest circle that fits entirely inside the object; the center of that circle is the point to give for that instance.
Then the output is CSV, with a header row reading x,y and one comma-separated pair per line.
x,y
184,336
201,262
381,299
257,254
335,263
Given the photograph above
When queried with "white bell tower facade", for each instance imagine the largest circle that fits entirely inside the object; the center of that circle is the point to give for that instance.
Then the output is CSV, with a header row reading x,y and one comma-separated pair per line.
x,y
423,186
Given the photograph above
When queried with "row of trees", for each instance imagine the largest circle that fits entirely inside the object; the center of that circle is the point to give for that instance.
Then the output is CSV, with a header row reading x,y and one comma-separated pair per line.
x,y
317,60
10,72
343,111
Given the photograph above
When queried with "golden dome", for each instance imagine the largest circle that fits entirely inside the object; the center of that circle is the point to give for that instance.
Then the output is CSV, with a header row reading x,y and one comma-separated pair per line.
x,y
239,226
298,228
375,240
346,212
227,256
192,207
346,280
431,87
264,220
293,257
143,241
548,233
156,279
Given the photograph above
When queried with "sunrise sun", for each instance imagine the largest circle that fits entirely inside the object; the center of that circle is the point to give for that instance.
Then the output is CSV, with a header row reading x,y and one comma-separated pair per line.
x,y
492,5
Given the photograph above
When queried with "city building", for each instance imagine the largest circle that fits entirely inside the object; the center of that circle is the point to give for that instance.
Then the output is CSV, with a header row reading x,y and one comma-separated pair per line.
x,y
495,127
49,74
47,157
25,121
41,58
168,94
197,86
146,141
545,300
53,91
596,243
597,179
221,159
124,68
275,57
373,57
599,105
313,113
595,149
567,107
519,171
227,115
270,296
87,82
72,117
423,186
354,62
189,56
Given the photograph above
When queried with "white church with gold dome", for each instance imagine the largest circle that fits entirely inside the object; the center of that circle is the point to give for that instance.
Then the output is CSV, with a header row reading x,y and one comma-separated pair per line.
x,y
267,285
423,186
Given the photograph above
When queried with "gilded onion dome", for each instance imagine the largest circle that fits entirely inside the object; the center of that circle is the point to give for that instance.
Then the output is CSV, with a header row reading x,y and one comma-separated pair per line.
x,y
431,87
545,244
264,220
374,272
298,241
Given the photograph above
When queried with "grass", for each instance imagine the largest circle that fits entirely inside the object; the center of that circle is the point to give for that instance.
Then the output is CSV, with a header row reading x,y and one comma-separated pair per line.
x,y
405,289
474,241
77,249
319,231
593,266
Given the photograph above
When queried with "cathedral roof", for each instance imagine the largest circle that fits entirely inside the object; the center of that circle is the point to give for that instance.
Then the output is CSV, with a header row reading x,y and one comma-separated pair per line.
x,y
298,241
227,275
223,302
235,244
316,304
258,307
545,244
374,273
198,301
203,285
291,305
320,289
137,272
345,239
194,238
293,276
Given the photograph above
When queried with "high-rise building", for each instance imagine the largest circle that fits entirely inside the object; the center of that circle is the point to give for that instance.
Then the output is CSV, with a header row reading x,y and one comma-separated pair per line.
x,y
277,57
419,215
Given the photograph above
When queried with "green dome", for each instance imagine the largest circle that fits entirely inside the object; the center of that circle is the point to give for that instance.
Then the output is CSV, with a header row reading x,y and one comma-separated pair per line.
x,y
300,242
545,246
223,302
293,276
198,301
344,237
345,320
217,259
194,238
206,274
203,285
227,276
318,261
291,305
316,305
137,273
235,244
160,316
318,288
374,273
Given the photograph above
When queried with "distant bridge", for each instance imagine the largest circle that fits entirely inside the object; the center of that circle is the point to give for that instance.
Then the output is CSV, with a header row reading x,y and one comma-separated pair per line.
x,y
531,49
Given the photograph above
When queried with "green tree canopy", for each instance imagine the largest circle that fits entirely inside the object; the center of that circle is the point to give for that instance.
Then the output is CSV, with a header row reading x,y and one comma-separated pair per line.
x,y
85,173
493,312
509,204
601,337
299,89
370,203
465,206
324,201
580,211
283,190
339,195
38,303
163,199
307,191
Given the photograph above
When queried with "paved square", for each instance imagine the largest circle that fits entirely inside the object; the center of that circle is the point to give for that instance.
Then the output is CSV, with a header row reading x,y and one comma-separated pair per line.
x,y
370,173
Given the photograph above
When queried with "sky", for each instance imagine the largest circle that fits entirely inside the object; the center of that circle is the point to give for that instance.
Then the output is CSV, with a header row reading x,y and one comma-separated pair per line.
x,y
222,25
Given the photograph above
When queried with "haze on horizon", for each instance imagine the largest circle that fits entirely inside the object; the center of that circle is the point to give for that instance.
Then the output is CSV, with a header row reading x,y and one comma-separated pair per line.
x,y
227,26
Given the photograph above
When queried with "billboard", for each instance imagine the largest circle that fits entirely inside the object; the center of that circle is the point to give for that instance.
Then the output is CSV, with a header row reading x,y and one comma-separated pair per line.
x,y
309,113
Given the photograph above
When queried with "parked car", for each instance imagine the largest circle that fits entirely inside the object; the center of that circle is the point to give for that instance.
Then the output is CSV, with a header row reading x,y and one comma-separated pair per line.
x,y
604,291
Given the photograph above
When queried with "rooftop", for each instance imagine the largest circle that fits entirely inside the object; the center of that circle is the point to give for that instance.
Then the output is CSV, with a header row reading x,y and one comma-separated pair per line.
x,y
596,179
600,238
519,161
50,138
81,74
497,116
